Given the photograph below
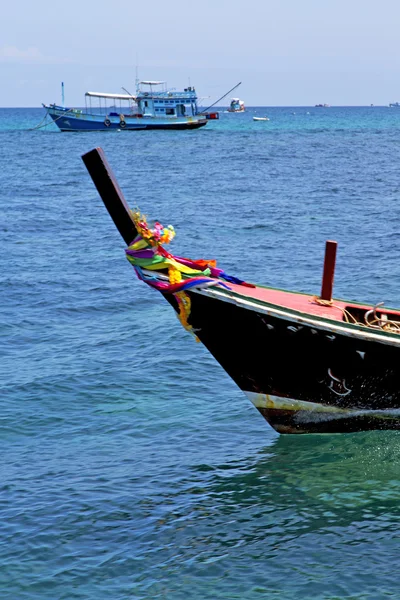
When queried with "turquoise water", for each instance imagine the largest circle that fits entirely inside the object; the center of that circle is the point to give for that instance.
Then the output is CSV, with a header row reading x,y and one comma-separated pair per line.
x,y
133,468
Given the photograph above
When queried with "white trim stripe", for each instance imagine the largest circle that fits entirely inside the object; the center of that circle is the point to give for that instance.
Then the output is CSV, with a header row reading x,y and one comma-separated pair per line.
x,y
269,401
338,327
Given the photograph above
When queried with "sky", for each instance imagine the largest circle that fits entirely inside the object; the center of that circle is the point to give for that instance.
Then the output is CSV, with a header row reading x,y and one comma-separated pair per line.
x,y
285,52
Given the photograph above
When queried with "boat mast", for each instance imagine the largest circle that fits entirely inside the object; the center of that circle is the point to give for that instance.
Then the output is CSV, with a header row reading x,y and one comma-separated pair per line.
x,y
137,77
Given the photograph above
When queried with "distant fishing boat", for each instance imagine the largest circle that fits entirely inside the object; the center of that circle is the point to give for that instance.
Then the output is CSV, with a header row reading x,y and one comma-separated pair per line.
x,y
322,106
153,106
236,105
260,119
394,105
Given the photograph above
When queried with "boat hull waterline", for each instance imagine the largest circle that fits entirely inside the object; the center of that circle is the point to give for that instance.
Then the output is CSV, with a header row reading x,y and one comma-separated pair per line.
x,y
300,361
80,121
302,374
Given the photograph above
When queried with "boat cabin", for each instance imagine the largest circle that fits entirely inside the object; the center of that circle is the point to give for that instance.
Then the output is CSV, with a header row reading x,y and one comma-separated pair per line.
x,y
236,105
152,99
161,102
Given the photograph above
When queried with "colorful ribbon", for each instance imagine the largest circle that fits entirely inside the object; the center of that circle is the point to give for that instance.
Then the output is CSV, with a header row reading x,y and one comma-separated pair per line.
x,y
146,253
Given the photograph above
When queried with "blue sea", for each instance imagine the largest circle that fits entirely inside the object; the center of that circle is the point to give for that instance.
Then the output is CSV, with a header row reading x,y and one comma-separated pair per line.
x,y
132,466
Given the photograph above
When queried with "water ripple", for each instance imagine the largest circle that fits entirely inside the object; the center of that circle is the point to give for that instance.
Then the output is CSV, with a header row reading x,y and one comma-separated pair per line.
x,y
132,465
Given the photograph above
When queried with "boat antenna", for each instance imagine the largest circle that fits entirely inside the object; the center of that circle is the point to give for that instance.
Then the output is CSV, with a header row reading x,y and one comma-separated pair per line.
x,y
222,97
137,75
62,94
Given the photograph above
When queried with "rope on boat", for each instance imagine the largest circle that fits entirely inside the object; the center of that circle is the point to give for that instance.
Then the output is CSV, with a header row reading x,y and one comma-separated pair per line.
x,y
47,124
40,124
382,323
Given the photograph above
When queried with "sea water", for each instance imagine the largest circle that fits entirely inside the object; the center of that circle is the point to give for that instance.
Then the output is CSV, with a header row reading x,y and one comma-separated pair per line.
x,y
132,467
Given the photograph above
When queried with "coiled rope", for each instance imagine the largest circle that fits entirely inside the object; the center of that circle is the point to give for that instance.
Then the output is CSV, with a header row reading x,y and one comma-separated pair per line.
x,y
382,323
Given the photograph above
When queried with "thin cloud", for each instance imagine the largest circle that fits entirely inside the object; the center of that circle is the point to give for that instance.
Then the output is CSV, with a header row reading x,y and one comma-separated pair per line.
x,y
32,54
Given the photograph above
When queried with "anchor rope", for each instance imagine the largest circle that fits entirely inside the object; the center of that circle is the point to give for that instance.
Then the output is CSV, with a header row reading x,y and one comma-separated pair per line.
x,y
47,124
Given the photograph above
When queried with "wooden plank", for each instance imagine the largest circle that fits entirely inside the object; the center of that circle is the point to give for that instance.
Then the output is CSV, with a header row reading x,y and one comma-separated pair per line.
x,y
110,192
329,270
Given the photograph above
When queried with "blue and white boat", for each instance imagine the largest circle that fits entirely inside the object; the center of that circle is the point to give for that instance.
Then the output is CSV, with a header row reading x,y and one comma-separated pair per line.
x,y
152,107
236,105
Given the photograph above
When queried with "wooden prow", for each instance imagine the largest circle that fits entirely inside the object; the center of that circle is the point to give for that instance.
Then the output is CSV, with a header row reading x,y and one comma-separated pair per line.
x,y
113,198
109,190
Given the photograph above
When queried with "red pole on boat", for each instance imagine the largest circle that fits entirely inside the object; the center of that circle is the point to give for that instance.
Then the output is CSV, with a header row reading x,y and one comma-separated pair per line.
x,y
329,270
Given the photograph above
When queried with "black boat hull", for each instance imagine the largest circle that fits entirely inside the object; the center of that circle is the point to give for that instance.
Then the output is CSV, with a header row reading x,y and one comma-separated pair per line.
x,y
302,377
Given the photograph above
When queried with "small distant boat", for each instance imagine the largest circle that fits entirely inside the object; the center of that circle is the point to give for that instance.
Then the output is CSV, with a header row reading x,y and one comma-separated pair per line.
x,y
236,105
394,105
153,106
260,119
322,105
